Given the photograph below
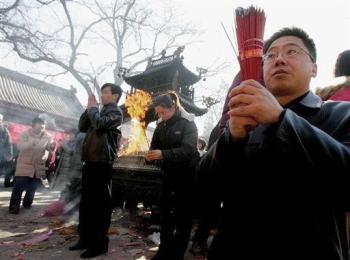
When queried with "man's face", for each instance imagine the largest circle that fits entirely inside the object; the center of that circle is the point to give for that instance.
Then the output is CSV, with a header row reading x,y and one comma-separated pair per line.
x,y
288,67
107,97
39,127
165,113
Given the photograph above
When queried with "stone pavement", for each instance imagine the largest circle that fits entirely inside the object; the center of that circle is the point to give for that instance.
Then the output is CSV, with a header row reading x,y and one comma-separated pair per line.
x,y
31,236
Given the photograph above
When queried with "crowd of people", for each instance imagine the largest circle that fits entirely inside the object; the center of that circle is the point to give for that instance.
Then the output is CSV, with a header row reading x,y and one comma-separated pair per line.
x,y
272,181
36,161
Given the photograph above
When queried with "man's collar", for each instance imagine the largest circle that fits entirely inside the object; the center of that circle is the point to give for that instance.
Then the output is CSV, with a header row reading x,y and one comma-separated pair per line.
x,y
110,104
311,100
308,100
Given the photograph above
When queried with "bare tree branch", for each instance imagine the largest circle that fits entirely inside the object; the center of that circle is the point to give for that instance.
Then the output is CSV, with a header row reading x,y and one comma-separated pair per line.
x,y
138,63
134,53
215,69
48,75
108,41
45,3
87,29
129,30
71,27
7,9
126,14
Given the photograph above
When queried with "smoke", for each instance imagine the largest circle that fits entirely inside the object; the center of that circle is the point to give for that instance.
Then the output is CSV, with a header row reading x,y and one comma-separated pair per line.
x,y
50,122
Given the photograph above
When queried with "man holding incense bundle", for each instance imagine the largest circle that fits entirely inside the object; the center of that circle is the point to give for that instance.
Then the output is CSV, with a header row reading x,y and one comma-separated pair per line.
x,y
286,192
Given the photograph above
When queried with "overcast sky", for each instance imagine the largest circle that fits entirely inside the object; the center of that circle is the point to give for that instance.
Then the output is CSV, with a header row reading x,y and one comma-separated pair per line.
x,y
326,21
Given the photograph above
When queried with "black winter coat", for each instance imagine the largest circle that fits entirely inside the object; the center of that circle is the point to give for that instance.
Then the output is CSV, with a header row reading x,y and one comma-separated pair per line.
x,y
6,150
102,133
177,139
286,189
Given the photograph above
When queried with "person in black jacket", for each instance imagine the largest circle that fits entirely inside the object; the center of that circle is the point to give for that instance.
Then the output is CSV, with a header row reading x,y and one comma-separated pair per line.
x,y
6,153
287,194
99,150
174,145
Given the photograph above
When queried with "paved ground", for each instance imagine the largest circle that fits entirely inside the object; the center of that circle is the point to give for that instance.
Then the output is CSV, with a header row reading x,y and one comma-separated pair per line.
x,y
29,235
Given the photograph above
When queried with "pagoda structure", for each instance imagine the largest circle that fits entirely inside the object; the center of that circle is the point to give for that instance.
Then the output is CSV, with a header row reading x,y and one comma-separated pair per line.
x,y
168,73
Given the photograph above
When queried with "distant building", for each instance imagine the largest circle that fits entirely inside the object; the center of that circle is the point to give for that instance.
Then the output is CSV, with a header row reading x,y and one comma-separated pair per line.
x,y
22,98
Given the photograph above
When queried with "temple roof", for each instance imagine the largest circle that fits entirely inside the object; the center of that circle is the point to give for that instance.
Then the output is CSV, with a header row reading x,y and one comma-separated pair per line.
x,y
168,73
160,73
191,107
26,94
38,95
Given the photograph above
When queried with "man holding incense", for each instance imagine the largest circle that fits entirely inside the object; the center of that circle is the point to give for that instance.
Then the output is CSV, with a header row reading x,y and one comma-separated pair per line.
x,y
286,191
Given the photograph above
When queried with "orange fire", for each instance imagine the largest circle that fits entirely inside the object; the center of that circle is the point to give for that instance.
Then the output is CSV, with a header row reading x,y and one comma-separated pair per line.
x,y
137,106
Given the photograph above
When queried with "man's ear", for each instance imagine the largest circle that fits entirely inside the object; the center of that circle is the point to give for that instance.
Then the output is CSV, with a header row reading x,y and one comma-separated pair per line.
x,y
314,70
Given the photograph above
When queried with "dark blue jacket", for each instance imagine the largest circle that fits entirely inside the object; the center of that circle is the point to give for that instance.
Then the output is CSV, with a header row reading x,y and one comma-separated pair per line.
x,y
285,189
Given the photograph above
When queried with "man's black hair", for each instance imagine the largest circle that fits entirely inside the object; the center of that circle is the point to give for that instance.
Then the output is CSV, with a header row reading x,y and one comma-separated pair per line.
x,y
297,32
115,89
37,120
167,100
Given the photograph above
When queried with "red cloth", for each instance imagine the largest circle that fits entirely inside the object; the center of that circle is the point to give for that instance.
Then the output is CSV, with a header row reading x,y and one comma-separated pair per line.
x,y
16,129
342,95
54,209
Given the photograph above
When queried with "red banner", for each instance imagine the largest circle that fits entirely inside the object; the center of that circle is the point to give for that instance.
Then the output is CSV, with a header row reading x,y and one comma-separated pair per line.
x,y
16,129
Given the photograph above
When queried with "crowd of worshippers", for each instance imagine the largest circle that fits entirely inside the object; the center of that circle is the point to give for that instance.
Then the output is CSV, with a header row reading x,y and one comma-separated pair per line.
x,y
273,181
38,162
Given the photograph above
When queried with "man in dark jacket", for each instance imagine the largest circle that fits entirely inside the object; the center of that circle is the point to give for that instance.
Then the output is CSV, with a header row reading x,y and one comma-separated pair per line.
x,y
6,152
99,150
289,193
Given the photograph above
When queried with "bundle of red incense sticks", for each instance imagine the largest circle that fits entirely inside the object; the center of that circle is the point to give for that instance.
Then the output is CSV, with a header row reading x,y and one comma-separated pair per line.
x,y
250,26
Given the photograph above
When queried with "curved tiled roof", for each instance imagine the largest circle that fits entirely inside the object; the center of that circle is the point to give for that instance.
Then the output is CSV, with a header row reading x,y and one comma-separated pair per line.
x,y
36,95
159,76
157,73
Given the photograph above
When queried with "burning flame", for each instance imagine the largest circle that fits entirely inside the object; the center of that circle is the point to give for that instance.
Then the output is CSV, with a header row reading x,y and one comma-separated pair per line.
x,y
137,106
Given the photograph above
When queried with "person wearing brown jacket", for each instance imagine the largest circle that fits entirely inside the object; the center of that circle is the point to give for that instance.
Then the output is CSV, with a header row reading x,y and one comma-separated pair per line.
x,y
33,148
